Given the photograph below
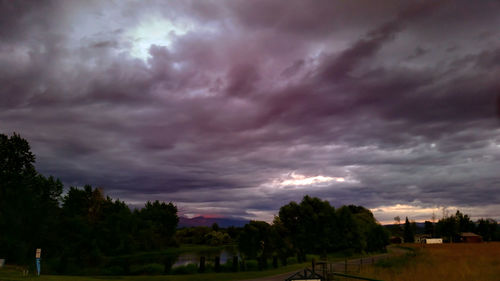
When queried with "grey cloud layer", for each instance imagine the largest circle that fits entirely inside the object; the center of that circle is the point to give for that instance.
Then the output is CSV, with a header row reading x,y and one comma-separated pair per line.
x,y
400,98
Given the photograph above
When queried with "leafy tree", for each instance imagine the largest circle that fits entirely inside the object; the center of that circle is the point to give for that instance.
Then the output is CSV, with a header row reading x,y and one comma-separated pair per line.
x,y
158,222
255,240
291,219
116,228
352,236
83,229
447,227
233,232
193,235
217,238
429,228
282,241
465,224
28,202
409,232
451,227
488,229
377,238
312,225
215,227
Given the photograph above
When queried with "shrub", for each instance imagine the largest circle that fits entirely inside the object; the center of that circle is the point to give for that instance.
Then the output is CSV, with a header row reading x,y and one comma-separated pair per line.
x,y
252,265
147,269
291,260
227,267
113,270
185,269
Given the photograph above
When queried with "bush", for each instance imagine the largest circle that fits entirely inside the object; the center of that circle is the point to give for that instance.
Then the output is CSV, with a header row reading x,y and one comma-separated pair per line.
x,y
185,269
310,257
291,260
147,269
227,267
252,265
113,270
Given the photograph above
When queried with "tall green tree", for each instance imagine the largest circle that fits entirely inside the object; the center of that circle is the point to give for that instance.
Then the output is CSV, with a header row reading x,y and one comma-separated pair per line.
x,y
282,240
28,202
312,225
255,240
464,222
488,229
352,239
158,222
447,228
408,232
429,228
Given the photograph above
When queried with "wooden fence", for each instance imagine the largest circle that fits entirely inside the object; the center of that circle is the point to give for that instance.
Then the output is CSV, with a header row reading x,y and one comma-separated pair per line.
x,y
346,270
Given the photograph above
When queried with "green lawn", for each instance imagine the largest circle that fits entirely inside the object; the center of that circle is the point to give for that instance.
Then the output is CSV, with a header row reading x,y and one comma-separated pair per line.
x,y
8,274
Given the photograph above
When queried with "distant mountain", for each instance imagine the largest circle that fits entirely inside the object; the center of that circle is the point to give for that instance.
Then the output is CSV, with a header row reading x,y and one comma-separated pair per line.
x,y
203,221
420,226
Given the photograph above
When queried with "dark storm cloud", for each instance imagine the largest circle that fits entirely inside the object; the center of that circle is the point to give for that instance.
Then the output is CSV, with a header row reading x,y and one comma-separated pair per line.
x,y
237,102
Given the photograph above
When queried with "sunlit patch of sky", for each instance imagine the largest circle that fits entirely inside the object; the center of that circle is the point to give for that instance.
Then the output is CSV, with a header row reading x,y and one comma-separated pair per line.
x,y
156,31
417,212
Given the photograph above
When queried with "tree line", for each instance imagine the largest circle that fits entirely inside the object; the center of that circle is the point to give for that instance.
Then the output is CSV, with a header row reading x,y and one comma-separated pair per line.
x,y
449,227
312,226
83,228
80,227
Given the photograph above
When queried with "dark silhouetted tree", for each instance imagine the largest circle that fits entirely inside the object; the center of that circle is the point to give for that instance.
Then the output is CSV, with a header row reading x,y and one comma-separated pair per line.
x,y
408,232
28,202
429,228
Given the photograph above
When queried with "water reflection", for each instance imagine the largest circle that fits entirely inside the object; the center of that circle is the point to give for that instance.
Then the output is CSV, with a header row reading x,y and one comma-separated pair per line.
x,y
225,254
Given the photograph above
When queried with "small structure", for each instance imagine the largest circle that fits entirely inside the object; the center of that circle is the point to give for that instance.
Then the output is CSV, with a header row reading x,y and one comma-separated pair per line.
x,y
433,241
420,238
395,240
469,237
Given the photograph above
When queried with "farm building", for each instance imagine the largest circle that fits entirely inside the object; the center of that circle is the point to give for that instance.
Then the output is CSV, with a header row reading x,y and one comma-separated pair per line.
x,y
469,237
433,241
420,238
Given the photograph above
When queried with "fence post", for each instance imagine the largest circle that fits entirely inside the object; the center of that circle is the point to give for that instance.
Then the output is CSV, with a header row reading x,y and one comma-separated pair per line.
x,y
217,264
201,269
345,265
235,263
242,264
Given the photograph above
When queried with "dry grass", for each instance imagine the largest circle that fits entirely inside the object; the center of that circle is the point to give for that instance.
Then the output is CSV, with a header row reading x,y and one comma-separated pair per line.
x,y
442,262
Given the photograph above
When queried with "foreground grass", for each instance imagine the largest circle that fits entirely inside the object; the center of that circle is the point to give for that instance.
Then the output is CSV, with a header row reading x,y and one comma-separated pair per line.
x,y
11,274
441,262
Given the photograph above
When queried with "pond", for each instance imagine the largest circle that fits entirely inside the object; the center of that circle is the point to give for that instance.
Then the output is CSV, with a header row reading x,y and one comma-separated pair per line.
x,y
225,254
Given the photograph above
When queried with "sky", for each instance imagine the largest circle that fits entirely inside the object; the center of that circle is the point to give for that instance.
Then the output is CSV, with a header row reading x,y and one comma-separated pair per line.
x,y
235,108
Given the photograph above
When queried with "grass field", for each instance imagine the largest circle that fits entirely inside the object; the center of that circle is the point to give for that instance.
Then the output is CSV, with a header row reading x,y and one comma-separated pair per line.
x,y
11,274
456,262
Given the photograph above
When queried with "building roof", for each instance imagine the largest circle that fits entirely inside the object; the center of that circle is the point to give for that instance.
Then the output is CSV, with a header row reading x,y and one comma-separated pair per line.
x,y
469,234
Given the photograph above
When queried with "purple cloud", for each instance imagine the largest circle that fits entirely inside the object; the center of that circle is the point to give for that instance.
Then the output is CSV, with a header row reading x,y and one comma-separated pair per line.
x,y
235,108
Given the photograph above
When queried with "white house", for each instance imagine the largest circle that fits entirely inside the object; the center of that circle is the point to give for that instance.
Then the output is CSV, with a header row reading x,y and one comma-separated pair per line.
x,y
434,241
